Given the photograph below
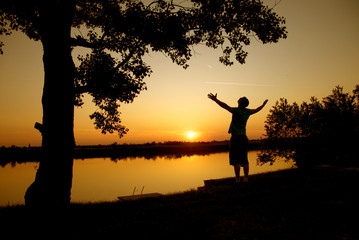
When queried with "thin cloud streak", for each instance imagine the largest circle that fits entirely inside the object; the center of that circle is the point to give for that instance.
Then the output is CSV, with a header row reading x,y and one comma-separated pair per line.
x,y
240,84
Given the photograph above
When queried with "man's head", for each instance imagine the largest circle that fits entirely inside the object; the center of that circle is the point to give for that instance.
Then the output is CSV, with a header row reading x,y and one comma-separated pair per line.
x,y
243,102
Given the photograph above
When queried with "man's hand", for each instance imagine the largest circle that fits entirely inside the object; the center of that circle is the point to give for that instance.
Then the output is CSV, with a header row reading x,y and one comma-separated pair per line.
x,y
221,104
212,96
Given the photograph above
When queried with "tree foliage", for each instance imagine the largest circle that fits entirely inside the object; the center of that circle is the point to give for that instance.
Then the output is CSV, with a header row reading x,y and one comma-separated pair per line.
x,y
118,33
315,131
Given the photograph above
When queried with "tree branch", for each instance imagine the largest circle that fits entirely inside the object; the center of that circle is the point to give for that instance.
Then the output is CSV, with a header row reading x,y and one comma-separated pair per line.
x,y
129,56
81,89
81,42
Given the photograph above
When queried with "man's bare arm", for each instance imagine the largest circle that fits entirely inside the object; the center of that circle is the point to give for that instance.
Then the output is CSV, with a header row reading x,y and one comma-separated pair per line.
x,y
260,107
221,104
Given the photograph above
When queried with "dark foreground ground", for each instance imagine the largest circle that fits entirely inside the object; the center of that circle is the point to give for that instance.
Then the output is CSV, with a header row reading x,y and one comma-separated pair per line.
x,y
322,203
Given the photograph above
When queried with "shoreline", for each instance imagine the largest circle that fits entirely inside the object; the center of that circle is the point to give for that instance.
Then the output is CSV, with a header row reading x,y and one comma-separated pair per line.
x,y
149,150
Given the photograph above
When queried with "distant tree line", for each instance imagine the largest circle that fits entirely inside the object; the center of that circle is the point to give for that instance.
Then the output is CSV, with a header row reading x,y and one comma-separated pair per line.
x,y
314,132
171,149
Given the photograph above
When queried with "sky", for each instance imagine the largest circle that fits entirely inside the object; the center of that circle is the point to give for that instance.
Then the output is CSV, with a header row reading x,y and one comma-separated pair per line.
x,y
320,52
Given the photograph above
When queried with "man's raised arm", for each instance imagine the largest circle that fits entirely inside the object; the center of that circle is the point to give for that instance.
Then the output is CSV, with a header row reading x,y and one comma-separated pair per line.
x,y
260,107
221,104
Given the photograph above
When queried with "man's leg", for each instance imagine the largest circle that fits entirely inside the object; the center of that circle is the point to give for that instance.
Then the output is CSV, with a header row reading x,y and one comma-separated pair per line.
x,y
246,171
237,169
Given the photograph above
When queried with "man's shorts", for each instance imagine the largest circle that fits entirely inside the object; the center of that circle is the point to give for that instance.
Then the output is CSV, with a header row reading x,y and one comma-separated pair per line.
x,y
238,150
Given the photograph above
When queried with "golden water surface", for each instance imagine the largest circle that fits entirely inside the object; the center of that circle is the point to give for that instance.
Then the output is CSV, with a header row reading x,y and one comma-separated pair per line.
x,y
102,179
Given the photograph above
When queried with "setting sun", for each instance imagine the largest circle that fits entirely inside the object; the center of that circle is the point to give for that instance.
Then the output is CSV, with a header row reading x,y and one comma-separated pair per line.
x,y
191,134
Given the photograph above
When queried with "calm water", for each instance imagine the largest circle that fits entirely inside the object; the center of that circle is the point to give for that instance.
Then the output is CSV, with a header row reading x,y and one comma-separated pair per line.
x,y
101,179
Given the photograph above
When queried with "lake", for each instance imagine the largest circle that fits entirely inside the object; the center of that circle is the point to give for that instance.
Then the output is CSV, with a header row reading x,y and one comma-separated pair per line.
x,y
103,179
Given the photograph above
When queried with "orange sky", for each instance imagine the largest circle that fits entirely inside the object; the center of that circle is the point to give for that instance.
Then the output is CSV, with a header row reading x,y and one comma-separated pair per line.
x,y
321,52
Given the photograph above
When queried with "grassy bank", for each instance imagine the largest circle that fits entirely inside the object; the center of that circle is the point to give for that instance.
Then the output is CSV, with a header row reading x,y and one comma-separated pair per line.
x,y
318,204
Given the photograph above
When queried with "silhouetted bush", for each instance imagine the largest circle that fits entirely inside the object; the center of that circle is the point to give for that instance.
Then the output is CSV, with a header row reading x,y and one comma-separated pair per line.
x,y
325,132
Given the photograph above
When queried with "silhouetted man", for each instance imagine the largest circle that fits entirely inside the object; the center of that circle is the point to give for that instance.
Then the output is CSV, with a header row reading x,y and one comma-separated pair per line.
x,y
238,151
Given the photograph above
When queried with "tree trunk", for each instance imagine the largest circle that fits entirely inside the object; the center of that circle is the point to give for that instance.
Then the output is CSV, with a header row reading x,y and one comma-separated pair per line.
x,y
53,181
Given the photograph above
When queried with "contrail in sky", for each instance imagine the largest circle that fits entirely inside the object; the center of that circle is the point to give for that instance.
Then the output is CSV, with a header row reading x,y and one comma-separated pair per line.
x,y
239,84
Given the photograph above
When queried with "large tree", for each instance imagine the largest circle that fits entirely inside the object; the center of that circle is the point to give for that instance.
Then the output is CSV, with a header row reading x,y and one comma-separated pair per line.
x,y
118,33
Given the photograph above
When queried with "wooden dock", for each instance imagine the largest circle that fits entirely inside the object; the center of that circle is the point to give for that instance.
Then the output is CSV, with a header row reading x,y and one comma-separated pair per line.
x,y
215,183
139,196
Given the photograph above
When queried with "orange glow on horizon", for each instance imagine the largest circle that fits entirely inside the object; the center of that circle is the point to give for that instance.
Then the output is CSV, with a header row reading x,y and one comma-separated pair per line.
x,y
176,102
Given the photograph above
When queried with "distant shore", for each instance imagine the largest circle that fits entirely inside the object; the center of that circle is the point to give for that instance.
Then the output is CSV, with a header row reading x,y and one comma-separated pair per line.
x,y
120,151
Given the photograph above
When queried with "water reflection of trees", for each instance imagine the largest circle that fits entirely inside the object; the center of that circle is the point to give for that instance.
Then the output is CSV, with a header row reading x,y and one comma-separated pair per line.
x,y
170,150
150,151
159,157
315,132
